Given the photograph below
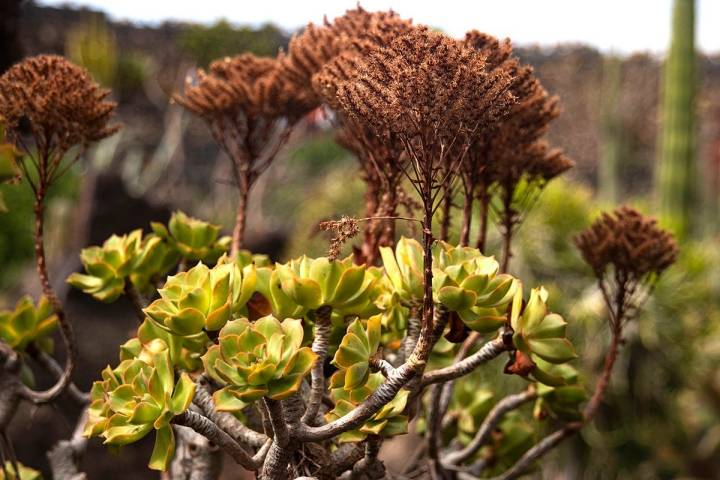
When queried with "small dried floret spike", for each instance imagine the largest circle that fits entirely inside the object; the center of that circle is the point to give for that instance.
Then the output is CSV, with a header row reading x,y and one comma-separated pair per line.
x,y
628,241
345,229
61,102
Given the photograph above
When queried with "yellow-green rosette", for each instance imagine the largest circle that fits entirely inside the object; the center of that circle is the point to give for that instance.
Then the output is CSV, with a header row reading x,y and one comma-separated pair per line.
x,y
352,357
136,397
466,282
130,257
202,298
540,339
28,323
194,239
258,359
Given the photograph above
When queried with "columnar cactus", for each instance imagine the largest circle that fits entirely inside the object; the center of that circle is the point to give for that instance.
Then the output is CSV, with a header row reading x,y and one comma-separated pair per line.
x,y
677,167
28,324
258,359
195,240
136,397
202,298
121,259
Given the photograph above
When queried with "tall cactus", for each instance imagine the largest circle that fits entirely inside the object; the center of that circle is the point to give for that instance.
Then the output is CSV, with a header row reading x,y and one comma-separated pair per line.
x,y
612,142
676,176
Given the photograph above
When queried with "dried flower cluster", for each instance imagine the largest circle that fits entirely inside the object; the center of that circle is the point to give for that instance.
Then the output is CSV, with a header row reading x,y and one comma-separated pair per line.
x,y
380,156
630,242
425,85
352,32
62,104
345,229
250,109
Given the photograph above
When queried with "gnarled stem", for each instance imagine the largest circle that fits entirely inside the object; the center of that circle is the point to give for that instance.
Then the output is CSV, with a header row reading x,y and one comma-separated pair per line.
x,y
317,374
487,352
241,433
219,437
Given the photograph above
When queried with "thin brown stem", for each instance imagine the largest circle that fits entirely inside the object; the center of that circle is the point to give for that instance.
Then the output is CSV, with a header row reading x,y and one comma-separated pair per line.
x,y
240,217
603,382
66,330
137,300
467,216
483,227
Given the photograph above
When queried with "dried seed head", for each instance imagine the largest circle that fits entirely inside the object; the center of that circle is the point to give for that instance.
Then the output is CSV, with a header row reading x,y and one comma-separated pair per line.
x,y
345,229
629,241
61,102
355,31
425,83
246,84
545,163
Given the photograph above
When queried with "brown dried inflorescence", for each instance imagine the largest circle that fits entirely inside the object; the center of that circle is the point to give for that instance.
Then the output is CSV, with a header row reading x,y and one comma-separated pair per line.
x,y
250,109
62,104
425,84
354,32
630,242
345,229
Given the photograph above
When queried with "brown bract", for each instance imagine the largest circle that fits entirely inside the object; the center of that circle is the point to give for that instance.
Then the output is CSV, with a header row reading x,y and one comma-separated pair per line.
x,y
62,104
629,241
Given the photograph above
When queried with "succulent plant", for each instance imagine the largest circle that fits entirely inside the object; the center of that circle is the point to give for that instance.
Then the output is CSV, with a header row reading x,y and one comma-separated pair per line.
x,y
539,335
28,323
311,283
137,396
121,258
24,473
561,401
194,239
404,268
258,359
202,298
470,405
513,437
388,421
185,351
466,282
352,357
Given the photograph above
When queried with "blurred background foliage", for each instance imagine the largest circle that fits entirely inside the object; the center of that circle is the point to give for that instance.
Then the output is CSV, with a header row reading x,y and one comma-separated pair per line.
x,y
662,417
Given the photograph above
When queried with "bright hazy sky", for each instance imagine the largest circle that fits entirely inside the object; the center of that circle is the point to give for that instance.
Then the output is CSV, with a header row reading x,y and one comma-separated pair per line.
x,y
620,25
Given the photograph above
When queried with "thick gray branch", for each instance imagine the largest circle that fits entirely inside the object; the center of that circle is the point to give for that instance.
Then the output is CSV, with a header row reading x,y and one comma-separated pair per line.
x,y
487,352
219,437
317,375
65,456
536,452
236,429
511,402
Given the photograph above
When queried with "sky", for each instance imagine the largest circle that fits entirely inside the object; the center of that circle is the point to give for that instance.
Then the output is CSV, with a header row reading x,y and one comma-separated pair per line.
x,y
622,26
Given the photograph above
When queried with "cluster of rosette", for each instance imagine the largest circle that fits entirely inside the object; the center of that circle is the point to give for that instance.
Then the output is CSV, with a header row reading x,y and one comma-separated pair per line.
x,y
246,324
